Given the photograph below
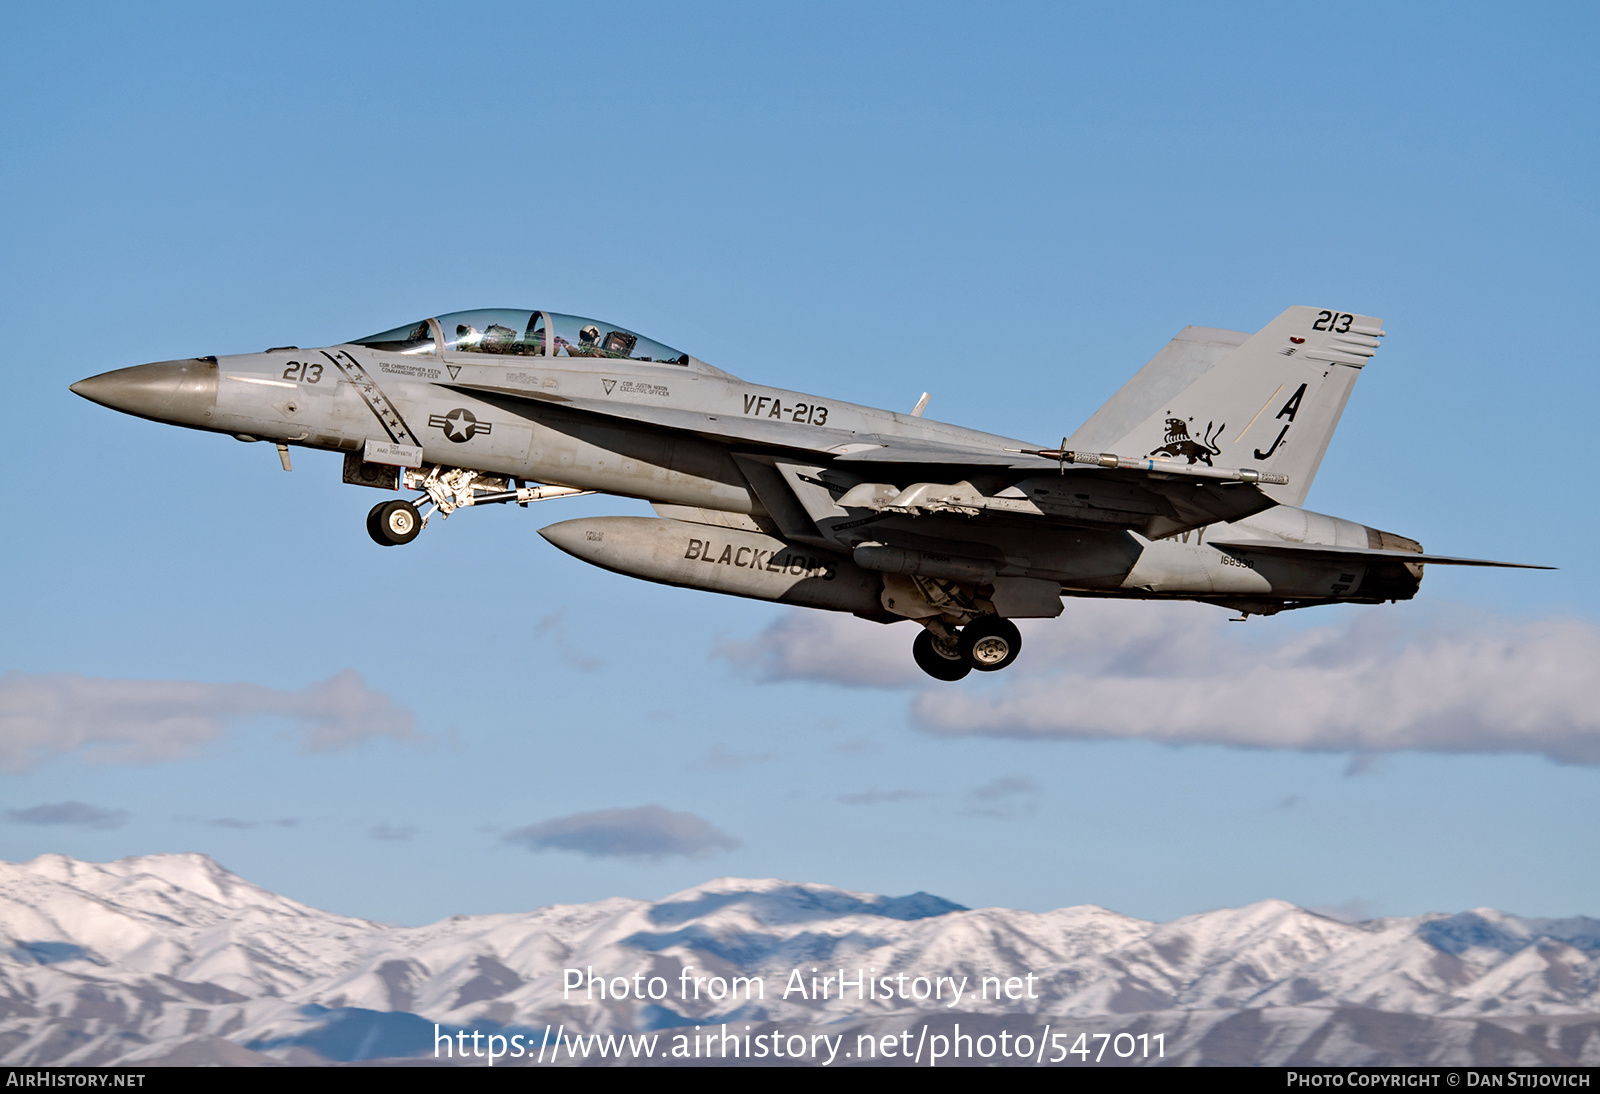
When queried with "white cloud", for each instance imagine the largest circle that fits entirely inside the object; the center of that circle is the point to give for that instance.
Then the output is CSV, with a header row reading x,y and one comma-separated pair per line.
x,y
838,649
74,814
881,797
1007,786
1374,682
647,832
1354,910
392,832
140,721
241,825
720,757
555,627
1006,797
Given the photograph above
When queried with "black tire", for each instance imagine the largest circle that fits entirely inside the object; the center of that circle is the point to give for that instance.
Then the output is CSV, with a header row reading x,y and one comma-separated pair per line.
x,y
925,651
990,643
394,523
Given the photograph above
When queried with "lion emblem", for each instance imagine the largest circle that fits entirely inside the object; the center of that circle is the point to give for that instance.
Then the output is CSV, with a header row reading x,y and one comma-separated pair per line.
x,y
1179,443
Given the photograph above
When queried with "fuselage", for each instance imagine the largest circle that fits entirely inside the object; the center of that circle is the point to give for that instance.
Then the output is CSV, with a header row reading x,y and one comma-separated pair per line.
x,y
543,419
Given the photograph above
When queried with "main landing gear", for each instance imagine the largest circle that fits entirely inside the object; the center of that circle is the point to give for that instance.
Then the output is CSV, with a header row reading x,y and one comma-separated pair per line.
x,y
391,523
987,644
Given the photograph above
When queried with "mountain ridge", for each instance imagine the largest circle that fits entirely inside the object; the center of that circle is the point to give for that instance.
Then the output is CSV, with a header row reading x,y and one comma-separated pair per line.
x,y
149,957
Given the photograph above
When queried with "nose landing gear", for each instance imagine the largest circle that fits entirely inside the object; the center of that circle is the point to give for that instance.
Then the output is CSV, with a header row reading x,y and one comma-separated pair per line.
x,y
987,644
392,523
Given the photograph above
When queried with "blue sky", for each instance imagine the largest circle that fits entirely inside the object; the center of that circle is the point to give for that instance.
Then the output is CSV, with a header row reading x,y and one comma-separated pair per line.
x,y
1012,207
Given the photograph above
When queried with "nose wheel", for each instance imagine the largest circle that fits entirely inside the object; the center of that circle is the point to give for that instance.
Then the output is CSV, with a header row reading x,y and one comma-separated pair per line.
x,y
392,523
987,644
444,490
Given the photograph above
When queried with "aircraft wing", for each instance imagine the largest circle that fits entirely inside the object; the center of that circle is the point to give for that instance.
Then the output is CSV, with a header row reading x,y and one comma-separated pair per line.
x,y
1157,497
851,447
1358,554
759,431
840,444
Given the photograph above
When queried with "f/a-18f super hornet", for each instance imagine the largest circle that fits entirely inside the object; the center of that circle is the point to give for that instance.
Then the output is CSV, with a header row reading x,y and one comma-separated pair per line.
x,y
1187,485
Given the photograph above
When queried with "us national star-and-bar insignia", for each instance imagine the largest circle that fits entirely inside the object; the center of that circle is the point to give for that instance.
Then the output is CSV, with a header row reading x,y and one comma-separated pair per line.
x,y
460,424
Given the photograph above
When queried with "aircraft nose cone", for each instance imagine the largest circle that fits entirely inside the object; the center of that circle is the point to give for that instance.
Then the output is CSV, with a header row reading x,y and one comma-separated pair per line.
x,y
179,392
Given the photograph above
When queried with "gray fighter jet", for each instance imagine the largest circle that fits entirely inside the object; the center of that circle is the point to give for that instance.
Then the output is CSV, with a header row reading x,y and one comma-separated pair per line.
x,y
1187,485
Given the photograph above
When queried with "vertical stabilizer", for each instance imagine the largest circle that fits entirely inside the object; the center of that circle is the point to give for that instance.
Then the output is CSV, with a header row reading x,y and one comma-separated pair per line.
x,y
1269,401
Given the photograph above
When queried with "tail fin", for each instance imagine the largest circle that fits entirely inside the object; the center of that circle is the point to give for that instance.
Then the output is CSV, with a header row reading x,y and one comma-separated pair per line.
x,y
1268,401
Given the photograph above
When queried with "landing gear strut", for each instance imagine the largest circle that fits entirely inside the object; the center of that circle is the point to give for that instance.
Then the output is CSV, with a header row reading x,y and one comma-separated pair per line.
x,y
392,523
987,644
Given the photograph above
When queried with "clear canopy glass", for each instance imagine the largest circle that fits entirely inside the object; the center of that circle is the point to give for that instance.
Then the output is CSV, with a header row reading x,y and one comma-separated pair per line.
x,y
522,333
414,338
495,330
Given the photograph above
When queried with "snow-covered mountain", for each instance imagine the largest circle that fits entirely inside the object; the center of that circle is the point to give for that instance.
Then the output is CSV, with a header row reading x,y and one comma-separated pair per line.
x,y
170,958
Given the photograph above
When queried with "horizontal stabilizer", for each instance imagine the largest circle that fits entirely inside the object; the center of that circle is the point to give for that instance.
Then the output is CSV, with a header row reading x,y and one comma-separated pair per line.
x,y
1326,550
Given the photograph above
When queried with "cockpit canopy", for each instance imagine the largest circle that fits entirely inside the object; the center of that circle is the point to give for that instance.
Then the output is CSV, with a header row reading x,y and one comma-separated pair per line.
x,y
514,332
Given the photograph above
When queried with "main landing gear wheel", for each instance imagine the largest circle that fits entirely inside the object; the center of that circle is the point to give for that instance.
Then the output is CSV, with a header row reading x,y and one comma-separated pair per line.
x,y
933,661
990,643
392,523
